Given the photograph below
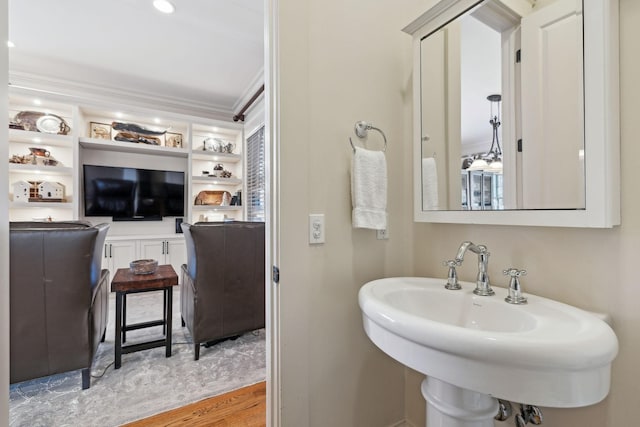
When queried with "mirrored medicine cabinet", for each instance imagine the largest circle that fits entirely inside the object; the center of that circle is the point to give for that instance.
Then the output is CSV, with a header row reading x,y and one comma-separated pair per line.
x,y
516,113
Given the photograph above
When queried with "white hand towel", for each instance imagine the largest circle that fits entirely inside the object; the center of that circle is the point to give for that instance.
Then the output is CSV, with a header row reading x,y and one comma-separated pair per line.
x,y
369,189
429,184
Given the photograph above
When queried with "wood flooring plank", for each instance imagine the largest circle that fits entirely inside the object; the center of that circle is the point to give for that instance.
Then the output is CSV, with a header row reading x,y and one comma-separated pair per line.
x,y
245,407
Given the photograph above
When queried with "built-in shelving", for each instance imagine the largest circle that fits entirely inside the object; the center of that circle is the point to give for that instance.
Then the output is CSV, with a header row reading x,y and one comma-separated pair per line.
x,y
61,148
215,208
130,147
30,137
91,140
39,170
56,205
215,180
216,157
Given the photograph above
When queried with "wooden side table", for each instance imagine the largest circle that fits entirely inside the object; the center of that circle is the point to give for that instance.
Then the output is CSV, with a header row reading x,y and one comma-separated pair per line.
x,y
125,282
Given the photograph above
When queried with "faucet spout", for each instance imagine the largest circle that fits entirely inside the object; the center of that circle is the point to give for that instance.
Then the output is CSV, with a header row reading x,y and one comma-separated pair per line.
x,y
483,287
476,249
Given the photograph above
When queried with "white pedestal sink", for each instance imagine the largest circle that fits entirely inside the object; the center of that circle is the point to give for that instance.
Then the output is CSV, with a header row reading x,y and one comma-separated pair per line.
x,y
474,349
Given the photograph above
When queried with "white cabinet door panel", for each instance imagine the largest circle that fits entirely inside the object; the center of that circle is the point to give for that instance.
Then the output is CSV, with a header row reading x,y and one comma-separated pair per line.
x,y
552,102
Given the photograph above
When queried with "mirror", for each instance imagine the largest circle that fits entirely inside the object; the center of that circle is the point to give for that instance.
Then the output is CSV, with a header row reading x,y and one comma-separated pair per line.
x,y
507,101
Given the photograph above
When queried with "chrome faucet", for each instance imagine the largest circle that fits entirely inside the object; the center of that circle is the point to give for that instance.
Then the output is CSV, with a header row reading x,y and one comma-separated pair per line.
x,y
483,287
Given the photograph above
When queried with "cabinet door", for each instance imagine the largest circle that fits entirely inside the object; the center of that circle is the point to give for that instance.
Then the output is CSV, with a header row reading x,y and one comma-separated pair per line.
x,y
121,253
106,259
176,252
153,249
552,102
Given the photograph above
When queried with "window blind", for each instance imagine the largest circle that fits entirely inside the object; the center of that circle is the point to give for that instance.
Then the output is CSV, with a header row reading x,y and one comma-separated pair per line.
x,y
255,177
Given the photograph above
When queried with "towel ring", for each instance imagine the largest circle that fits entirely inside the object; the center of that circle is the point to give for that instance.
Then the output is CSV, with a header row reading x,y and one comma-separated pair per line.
x,y
362,128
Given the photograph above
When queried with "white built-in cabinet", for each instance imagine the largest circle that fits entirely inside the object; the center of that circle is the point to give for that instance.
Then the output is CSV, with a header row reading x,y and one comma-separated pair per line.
x,y
167,251
119,251
203,164
118,254
61,148
82,146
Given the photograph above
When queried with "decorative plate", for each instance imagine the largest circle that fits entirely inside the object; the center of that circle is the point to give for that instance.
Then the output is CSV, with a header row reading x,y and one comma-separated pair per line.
x,y
212,144
36,121
49,124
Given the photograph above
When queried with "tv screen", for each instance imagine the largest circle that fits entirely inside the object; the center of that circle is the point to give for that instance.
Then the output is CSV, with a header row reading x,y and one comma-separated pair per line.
x,y
131,193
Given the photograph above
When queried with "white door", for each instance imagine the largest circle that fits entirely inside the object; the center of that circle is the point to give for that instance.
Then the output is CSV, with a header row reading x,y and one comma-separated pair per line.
x,y
552,102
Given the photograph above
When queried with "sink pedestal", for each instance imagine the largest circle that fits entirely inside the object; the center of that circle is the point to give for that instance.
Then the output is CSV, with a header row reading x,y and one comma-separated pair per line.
x,y
452,406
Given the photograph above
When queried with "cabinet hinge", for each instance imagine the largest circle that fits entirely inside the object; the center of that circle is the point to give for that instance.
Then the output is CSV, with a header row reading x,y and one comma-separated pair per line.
x,y
520,146
275,274
518,56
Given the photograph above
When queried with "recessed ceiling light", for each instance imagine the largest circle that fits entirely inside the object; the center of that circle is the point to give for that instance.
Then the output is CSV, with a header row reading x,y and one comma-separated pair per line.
x,y
10,43
37,102
156,121
164,6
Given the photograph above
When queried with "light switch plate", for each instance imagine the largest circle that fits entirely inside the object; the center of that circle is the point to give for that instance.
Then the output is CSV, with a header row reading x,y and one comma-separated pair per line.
x,y
382,234
316,229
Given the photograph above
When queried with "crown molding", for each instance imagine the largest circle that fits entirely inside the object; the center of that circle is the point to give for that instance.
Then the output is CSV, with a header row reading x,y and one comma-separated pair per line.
x,y
253,87
106,94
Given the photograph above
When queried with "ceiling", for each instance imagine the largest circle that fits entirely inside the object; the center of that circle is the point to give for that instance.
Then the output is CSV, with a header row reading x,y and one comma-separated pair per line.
x,y
209,52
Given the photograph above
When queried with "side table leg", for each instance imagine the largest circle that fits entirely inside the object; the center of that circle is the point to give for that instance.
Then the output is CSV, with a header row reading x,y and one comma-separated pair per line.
x,y
168,310
164,315
118,337
124,318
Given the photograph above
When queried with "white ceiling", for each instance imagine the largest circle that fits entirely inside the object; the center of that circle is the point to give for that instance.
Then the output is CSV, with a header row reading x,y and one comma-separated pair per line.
x,y
208,51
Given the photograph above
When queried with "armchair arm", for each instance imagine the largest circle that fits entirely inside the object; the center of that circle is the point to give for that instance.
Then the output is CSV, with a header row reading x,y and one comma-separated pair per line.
x,y
103,283
99,311
187,298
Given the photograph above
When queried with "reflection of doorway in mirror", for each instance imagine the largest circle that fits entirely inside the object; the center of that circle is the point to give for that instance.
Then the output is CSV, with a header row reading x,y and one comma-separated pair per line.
x,y
480,76
480,88
484,53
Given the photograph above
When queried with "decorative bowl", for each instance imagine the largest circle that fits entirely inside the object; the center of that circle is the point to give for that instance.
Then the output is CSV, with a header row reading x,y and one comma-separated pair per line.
x,y
143,266
40,152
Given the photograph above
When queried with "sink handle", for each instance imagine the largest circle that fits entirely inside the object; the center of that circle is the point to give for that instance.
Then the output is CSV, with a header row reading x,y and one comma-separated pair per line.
x,y
515,291
452,275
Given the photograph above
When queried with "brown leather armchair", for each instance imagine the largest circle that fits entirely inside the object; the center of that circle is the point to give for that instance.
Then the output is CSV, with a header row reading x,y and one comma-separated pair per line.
x,y
59,298
223,283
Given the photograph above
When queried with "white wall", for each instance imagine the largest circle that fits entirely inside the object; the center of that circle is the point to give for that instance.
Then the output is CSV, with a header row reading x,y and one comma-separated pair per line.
x,y
592,269
340,62
254,117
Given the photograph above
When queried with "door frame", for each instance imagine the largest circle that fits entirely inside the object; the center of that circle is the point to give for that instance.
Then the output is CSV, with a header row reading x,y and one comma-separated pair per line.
x,y
272,219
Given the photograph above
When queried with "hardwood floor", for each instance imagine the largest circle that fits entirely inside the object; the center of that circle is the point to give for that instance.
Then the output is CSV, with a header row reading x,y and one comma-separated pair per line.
x,y
245,407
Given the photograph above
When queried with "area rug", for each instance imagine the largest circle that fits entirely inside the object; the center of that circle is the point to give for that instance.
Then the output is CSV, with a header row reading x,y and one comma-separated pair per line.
x,y
147,383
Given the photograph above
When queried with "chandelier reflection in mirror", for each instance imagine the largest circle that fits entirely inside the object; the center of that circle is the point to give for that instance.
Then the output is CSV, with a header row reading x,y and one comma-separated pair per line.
x,y
482,173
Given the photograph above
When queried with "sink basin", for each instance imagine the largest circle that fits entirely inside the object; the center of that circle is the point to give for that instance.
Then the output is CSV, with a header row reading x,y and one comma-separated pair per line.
x,y
542,353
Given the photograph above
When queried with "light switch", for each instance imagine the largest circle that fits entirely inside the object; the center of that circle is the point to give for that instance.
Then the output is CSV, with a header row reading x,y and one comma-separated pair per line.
x,y
382,234
316,229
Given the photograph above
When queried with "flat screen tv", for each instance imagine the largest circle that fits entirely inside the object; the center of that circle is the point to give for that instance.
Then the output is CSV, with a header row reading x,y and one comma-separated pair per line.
x,y
129,194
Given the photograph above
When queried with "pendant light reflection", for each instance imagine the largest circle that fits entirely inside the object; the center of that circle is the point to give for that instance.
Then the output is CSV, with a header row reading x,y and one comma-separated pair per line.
x,y
478,165
491,161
